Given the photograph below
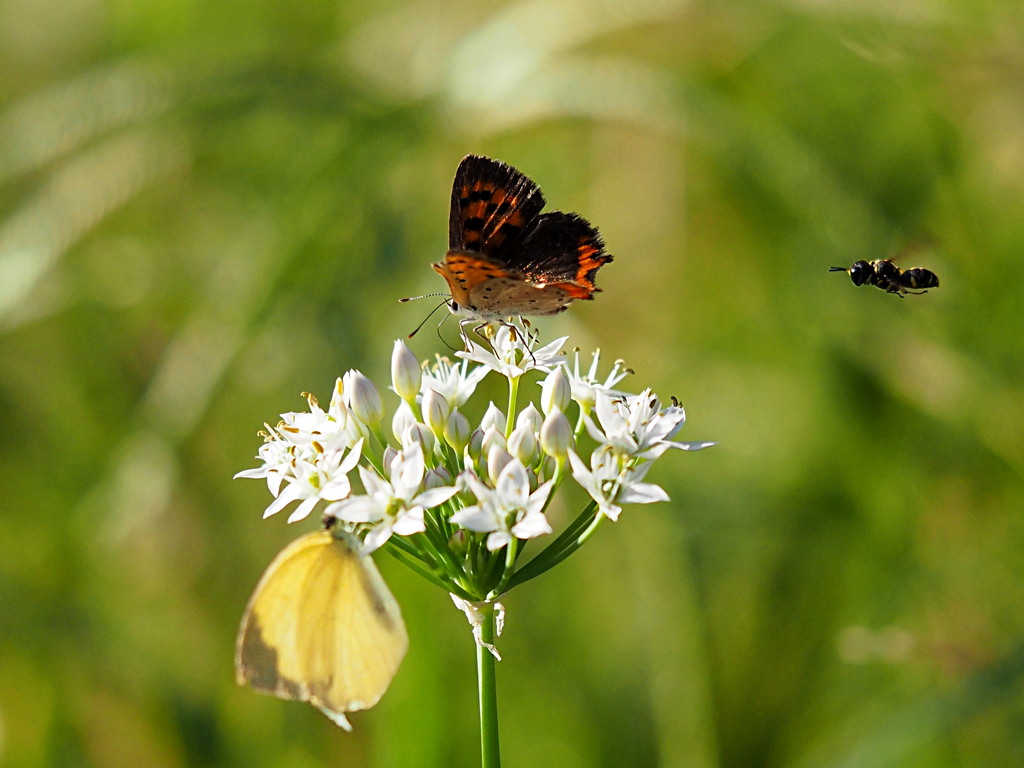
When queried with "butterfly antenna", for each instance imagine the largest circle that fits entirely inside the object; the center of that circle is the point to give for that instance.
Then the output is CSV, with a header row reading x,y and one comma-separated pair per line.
x,y
424,296
429,314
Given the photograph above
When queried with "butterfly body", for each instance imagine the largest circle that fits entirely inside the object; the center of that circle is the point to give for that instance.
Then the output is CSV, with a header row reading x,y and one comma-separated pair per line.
x,y
505,257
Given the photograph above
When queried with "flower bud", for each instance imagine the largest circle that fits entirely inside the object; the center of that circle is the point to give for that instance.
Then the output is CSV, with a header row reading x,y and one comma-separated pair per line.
x,y
492,437
475,447
458,542
406,373
363,399
402,420
556,435
522,444
556,392
435,411
338,410
529,418
389,456
457,432
437,477
493,418
419,433
548,467
497,459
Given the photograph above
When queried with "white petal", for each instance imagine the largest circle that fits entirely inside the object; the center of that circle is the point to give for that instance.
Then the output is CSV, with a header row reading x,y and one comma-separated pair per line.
x,y
410,522
292,493
407,471
373,483
475,518
274,480
497,540
434,496
336,489
531,526
357,509
513,484
302,511
690,446
376,538
577,464
252,473
642,493
540,497
611,511
350,461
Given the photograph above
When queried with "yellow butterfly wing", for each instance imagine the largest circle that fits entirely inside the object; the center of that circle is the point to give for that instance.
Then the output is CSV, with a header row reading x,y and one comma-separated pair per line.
x,y
322,627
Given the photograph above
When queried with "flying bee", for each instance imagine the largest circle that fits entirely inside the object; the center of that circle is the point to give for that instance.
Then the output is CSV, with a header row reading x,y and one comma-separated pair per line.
x,y
882,273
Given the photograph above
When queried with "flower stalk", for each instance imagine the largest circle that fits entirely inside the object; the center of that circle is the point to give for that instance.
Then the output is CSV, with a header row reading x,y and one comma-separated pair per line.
x,y
490,753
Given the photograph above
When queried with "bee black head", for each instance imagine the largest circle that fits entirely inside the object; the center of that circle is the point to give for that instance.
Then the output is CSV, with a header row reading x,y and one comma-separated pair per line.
x,y
861,272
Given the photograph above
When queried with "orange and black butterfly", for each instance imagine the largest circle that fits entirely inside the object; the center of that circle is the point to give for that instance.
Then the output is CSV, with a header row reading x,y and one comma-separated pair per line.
x,y
505,257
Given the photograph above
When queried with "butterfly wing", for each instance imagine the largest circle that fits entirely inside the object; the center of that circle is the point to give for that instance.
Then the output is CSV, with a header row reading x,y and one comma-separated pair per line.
x,y
504,257
555,264
493,204
321,627
563,248
359,639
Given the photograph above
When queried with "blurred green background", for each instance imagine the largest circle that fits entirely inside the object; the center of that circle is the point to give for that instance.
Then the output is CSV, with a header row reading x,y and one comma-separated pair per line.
x,y
206,208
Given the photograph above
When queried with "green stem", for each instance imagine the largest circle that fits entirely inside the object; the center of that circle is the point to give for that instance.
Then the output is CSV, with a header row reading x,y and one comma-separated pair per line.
x,y
511,553
513,396
490,755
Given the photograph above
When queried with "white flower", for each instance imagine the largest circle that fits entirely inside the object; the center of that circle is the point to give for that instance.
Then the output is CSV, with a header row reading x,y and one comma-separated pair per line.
x,y
611,482
511,356
586,385
278,455
393,506
455,382
325,478
506,511
636,425
300,439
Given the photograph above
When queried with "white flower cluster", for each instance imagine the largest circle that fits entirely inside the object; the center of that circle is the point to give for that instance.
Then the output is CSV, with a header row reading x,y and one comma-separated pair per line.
x,y
438,476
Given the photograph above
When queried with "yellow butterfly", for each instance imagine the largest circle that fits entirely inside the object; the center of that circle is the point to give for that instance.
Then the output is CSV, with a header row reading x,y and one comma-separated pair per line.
x,y
322,627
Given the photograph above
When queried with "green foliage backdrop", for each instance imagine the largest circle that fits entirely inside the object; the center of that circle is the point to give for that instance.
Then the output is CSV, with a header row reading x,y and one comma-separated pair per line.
x,y
206,208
